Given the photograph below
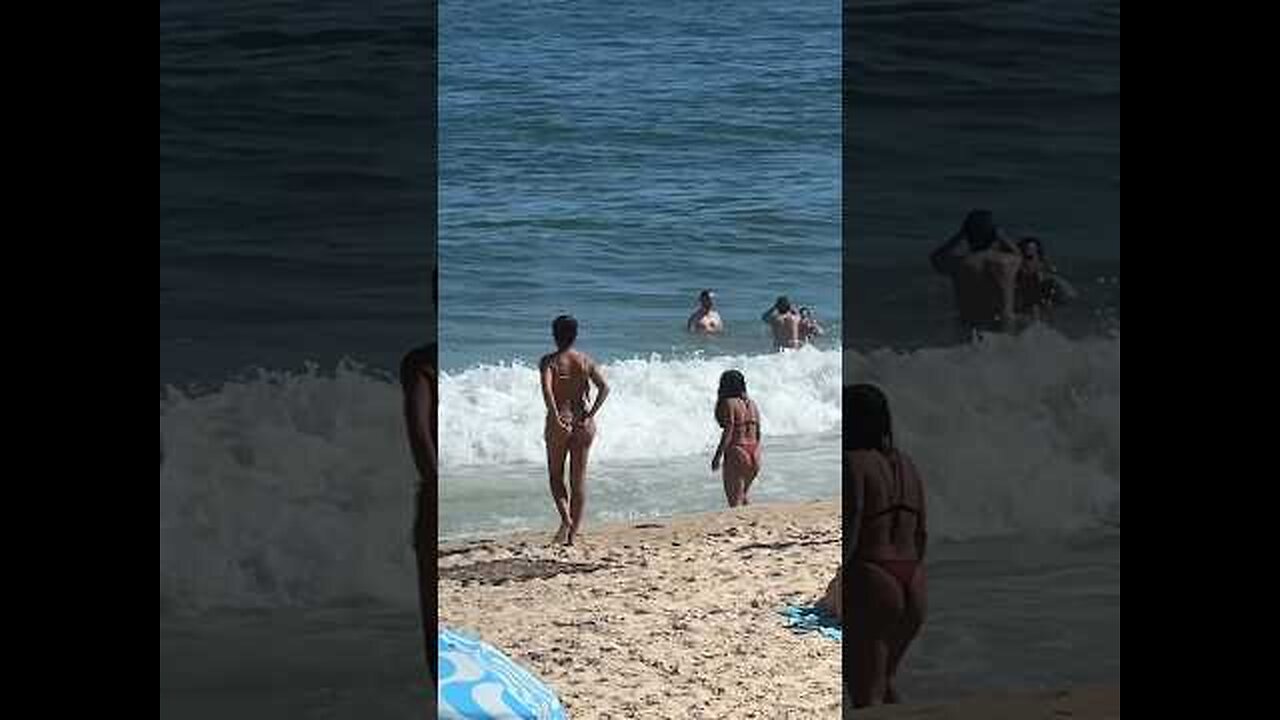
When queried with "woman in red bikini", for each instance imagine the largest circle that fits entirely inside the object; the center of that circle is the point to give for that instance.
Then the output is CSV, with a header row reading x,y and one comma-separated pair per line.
x,y
886,580
740,439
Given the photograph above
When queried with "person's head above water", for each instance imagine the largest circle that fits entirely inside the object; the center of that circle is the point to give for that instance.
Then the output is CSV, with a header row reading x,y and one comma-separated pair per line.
x,y
1031,248
732,384
707,299
806,312
867,422
782,304
565,331
980,230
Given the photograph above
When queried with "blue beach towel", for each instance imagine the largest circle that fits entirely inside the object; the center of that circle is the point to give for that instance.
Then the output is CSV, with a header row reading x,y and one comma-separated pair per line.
x,y
478,682
810,618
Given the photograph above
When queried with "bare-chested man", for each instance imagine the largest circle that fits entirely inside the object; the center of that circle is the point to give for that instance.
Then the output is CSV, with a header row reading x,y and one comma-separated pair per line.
x,y
418,381
706,319
985,277
785,322
567,376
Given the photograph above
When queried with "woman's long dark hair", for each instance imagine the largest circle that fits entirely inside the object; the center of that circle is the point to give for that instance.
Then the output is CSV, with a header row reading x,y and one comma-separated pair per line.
x,y
732,384
867,422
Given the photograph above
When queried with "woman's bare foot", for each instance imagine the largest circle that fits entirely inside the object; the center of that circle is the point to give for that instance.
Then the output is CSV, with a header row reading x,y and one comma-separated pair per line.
x,y
562,536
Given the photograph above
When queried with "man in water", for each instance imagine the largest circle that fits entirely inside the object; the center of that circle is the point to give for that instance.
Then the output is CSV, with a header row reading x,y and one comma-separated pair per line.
x,y
706,319
984,278
418,382
784,321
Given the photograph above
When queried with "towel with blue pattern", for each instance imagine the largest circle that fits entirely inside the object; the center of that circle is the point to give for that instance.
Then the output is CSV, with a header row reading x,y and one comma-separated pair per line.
x,y
478,682
811,618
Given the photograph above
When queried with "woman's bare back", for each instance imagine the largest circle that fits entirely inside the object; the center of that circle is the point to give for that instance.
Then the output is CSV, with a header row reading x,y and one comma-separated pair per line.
x,y
893,505
741,414
570,381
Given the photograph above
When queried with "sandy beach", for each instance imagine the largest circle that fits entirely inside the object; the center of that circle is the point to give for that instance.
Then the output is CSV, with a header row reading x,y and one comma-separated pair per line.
x,y
678,618
661,619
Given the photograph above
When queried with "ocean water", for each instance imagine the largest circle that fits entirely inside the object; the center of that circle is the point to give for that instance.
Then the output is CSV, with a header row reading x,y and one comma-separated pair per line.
x,y
295,229
954,105
610,161
295,194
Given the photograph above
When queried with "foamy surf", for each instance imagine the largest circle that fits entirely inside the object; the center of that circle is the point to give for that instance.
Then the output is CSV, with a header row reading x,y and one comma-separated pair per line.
x,y
295,488
659,407
285,489
1013,434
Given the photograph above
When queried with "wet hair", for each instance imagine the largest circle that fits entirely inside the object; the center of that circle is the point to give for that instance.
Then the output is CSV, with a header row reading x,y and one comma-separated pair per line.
x,y
732,385
782,304
565,330
706,295
980,229
1030,240
867,422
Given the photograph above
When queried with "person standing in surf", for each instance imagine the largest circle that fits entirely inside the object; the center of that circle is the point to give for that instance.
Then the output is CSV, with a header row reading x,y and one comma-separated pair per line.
x,y
567,376
418,383
984,277
739,445
784,322
706,319
885,588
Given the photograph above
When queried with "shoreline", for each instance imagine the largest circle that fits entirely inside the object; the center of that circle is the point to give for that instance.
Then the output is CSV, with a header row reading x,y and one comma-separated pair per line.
x,y
685,524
